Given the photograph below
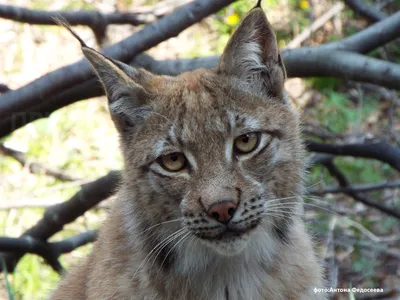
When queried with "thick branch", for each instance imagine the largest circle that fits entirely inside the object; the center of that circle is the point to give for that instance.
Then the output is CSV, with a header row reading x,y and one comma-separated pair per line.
x,y
126,50
365,10
372,37
55,217
315,61
89,18
381,151
323,60
4,88
301,62
35,167
49,251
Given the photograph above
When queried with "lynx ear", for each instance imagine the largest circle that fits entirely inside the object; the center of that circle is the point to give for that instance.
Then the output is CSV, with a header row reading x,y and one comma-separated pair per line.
x,y
252,54
127,98
123,85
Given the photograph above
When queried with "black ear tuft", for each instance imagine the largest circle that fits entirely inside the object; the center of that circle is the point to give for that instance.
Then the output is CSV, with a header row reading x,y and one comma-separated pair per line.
x,y
123,84
252,55
60,20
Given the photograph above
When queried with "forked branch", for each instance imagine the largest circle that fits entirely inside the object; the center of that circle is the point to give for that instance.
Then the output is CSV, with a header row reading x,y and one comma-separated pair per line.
x,y
345,185
379,150
50,252
126,50
56,216
35,167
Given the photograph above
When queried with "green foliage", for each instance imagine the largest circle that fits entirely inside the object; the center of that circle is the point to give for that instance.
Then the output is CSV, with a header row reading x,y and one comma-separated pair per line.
x,y
79,5
33,279
364,170
324,83
338,113
7,282
364,265
387,224
228,19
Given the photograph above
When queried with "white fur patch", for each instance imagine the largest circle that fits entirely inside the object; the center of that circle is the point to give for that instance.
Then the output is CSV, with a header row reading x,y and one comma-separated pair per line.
x,y
243,275
249,58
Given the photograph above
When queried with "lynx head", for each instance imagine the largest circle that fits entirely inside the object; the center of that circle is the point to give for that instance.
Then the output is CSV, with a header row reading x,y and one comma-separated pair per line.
x,y
214,153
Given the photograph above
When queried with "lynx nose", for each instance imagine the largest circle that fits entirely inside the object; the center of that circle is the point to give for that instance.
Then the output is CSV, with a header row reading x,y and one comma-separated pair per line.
x,y
222,210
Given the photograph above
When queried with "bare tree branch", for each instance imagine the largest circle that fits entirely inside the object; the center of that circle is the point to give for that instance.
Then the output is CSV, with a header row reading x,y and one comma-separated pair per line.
x,y
91,88
333,59
49,251
344,183
96,20
359,188
76,73
380,150
35,167
4,88
89,18
314,62
370,38
55,217
365,10
317,24
300,62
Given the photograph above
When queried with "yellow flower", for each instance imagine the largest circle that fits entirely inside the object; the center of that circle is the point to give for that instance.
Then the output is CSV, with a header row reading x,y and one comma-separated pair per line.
x,y
232,19
304,4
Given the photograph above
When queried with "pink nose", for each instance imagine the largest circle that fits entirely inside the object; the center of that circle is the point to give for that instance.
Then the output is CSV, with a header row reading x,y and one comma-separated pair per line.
x,y
222,210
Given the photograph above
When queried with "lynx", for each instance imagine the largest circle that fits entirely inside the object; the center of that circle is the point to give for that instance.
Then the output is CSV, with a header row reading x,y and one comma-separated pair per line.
x,y
210,207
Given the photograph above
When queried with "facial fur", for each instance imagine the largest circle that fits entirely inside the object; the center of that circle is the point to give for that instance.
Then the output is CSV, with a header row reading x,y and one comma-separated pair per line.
x,y
199,115
202,123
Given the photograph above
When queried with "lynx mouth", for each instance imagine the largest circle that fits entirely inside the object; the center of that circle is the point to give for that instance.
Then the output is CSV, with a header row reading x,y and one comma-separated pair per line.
x,y
229,233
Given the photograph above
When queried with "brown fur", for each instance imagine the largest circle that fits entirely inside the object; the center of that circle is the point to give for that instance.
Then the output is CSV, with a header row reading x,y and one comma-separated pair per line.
x,y
270,255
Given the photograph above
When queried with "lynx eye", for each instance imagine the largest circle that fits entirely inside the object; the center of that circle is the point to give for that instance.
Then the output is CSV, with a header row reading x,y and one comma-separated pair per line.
x,y
173,162
246,142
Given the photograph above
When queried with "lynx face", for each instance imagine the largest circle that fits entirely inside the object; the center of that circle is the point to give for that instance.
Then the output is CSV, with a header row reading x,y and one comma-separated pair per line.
x,y
215,154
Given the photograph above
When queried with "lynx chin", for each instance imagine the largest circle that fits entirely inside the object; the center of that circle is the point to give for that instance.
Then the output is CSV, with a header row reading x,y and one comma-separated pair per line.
x,y
210,205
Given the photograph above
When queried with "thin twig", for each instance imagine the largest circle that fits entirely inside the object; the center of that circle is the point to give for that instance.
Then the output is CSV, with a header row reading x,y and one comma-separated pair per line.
x,y
343,182
366,10
360,188
37,203
379,150
96,20
317,24
35,167
372,246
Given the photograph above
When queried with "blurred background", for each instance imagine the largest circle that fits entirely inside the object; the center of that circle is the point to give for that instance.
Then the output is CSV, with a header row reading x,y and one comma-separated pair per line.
x,y
80,140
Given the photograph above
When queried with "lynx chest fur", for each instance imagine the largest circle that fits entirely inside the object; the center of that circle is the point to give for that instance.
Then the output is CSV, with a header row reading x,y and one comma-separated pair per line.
x,y
210,205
